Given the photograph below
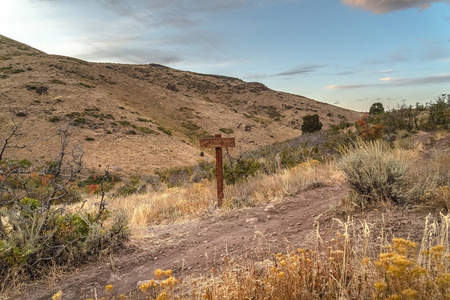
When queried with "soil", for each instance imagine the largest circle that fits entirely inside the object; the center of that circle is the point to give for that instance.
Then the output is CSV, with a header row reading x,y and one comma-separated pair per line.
x,y
192,248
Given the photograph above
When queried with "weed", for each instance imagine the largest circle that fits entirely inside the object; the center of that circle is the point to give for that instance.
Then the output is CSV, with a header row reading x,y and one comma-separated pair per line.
x,y
226,130
189,125
57,81
164,130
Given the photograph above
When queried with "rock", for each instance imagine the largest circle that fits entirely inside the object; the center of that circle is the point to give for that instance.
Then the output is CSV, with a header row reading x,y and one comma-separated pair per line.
x,y
251,220
269,207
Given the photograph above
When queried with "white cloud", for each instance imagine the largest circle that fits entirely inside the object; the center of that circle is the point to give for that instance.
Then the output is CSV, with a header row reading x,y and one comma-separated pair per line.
x,y
385,6
396,82
347,87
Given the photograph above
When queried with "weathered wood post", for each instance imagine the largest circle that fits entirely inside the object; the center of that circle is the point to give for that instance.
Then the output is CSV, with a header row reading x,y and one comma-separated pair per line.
x,y
218,142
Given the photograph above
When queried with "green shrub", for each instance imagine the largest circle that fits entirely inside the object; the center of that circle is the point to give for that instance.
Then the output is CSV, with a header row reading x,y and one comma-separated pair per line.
x,y
132,186
311,123
35,229
177,176
21,114
376,173
146,130
54,119
376,108
189,125
241,169
165,130
57,81
226,130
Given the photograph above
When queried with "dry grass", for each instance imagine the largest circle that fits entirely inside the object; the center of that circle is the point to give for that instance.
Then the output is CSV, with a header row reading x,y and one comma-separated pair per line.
x,y
380,174
199,199
347,267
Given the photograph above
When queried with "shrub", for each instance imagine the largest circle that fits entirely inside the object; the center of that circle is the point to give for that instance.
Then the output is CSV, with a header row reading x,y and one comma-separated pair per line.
x,y
57,81
439,113
176,176
376,173
311,123
241,169
226,130
132,186
189,125
165,130
368,132
21,114
54,119
36,235
376,109
146,130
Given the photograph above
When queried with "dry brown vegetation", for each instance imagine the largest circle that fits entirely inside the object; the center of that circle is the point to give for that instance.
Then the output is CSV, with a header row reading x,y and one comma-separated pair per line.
x,y
151,116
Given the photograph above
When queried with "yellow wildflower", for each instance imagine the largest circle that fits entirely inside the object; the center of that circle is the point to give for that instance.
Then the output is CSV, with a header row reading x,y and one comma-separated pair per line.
x,y
437,250
365,261
171,281
122,297
281,275
162,296
144,287
380,285
168,273
109,288
159,273
57,296
409,293
283,263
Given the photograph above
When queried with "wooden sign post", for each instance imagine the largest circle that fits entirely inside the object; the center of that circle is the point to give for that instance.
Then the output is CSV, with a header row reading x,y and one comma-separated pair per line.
x,y
218,142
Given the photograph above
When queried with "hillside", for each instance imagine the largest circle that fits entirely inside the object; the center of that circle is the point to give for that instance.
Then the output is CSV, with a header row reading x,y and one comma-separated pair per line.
x,y
137,118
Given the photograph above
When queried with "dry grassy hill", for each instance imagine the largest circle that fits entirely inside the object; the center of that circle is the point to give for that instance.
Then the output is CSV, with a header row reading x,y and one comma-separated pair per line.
x,y
137,118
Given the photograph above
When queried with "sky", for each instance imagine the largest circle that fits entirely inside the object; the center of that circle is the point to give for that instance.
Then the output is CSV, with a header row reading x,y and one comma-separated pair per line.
x,y
350,53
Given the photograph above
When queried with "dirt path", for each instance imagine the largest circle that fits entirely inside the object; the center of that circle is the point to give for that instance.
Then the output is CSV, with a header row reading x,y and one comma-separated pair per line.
x,y
193,247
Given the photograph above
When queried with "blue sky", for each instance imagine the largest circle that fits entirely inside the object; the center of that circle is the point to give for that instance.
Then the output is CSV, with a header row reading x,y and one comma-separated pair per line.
x,y
351,53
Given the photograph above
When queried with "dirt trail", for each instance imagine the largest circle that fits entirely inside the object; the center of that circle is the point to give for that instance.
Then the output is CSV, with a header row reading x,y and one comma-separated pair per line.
x,y
193,247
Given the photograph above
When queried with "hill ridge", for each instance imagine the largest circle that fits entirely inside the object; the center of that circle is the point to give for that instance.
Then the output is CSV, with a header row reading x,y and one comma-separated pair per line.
x,y
138,118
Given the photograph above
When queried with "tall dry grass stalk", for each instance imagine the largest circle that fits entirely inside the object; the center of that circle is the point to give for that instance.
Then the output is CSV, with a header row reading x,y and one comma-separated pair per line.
x,y
349,266
200,198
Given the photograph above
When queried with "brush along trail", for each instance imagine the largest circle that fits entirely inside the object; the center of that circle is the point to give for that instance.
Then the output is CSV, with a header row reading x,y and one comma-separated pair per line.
x,y
192,248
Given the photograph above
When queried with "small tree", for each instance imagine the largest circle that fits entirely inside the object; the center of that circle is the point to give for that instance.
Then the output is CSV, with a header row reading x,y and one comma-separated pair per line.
x,y
311,123
376,109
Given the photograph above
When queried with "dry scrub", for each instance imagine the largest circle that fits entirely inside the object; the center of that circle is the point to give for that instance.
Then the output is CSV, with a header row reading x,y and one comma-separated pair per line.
x,y
200,198
349,266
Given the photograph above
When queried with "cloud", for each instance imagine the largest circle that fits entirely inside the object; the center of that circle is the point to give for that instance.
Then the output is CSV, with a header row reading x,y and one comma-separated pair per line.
x,y
435,51
300,70
385,6
441,78
346,73
347,87
396,82
425,6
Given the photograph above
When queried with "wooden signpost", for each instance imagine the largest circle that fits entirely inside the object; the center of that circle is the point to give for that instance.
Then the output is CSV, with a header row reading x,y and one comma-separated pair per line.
x,y
218,142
